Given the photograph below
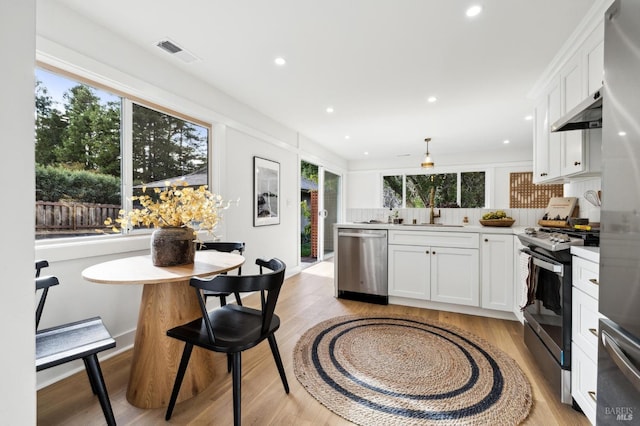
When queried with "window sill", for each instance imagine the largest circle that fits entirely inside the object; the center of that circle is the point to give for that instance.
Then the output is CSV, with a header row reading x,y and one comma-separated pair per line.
x,y
61,249
84,247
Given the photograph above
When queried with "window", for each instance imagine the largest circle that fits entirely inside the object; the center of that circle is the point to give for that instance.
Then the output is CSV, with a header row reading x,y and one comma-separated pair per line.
x,y
465,189
392,191
81,151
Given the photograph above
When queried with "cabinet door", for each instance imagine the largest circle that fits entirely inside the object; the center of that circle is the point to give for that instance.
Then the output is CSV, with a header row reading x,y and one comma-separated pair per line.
x,y
593,51
497,271
572,142
584,378
454,276
409,271
540,142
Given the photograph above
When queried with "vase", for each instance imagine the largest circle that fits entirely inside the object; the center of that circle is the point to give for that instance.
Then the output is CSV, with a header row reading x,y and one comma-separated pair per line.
x,y
172,245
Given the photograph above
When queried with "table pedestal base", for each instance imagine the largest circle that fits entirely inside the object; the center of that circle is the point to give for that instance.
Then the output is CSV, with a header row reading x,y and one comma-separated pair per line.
x,y
156,357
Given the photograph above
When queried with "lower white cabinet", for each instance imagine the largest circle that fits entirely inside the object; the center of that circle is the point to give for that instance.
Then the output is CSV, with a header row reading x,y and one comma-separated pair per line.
x,y
409,271
584,335
440,274
497,271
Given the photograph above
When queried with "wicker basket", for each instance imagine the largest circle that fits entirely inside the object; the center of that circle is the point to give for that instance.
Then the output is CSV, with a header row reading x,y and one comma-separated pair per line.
x,y
497,222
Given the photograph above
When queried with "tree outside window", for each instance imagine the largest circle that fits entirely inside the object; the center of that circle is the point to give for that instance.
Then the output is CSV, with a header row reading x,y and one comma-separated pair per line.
x,y
79,149
418,190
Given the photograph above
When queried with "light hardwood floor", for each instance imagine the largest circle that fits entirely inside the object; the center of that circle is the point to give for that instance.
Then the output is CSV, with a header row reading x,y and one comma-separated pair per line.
x,y
306,299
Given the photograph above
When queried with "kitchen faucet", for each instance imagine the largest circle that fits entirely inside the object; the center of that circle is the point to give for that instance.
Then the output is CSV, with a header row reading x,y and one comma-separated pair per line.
x,y
432,214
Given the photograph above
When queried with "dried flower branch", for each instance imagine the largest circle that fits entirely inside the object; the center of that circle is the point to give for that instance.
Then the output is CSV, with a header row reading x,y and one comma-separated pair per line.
x,y
176,205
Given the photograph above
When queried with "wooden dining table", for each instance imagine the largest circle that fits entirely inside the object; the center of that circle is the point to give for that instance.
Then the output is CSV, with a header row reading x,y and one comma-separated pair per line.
x,y
167,301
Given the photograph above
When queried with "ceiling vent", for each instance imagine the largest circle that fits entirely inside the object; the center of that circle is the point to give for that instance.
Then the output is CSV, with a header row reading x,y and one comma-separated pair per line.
x,y
174,50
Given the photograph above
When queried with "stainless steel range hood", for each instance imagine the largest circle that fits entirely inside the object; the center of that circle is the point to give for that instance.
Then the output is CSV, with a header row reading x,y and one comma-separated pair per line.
x,y
586,115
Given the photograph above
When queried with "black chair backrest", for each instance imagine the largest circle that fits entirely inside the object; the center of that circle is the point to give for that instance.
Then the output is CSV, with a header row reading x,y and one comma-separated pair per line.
x,y
225,246
269,283
39,265
43,283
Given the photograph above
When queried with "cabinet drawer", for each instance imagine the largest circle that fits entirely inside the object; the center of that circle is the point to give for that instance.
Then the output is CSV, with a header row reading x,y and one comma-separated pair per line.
x,y
585,276
584,317
584,379
436,239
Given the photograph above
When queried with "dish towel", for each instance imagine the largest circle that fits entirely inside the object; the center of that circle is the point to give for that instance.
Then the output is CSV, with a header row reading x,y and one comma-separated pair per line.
x,y
527,280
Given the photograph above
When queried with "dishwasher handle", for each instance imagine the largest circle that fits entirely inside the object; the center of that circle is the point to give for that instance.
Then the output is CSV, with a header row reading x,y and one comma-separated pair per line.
x,y
361,235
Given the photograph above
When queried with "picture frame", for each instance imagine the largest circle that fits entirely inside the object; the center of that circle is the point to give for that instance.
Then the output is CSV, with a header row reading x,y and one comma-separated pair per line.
x,y
266,192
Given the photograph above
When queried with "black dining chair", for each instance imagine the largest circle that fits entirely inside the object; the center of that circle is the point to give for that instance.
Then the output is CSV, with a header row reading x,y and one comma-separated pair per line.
x,y
233,329
227,247
77,340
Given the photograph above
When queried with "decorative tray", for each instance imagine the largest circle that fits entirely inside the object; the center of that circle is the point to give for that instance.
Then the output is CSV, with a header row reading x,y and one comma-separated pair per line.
x,y
497,222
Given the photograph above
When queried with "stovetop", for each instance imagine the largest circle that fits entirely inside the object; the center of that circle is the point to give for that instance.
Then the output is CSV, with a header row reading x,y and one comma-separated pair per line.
x,y
558,239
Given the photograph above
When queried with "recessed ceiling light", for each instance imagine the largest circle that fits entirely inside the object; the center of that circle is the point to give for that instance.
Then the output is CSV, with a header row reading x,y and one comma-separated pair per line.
x,y
506,141
474,11
347,137
280,61
529,117
432,99
622,133
366,153
329,110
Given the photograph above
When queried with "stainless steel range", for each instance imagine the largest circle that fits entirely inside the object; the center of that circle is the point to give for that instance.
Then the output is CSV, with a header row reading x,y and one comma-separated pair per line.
x,y
547,315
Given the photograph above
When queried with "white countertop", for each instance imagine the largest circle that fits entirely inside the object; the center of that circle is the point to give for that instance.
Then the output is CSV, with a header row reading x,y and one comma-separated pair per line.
x,y
437,228
588,253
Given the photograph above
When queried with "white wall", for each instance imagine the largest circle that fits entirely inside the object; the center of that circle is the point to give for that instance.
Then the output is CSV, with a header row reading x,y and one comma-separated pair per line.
x,y
72,43
17,42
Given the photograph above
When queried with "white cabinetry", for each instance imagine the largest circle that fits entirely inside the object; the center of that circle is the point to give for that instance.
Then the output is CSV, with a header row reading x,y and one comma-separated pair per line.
x,y
572,153
546,145
584,335
497,271
438,266
410,271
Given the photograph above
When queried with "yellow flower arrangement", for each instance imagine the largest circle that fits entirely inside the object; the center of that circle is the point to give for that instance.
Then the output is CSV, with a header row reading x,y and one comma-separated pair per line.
x,y
176,205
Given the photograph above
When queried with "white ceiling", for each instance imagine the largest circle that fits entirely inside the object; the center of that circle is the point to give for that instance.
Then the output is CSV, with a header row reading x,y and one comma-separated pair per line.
x,y
374,61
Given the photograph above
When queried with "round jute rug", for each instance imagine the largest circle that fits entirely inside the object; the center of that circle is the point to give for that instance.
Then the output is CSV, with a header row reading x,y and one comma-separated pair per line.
x,y
407,371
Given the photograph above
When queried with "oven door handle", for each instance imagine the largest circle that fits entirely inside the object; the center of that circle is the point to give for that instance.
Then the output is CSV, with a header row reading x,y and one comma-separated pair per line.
x,y
557,269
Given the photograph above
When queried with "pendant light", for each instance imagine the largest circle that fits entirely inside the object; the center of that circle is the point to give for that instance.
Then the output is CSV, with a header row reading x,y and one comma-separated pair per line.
x,y
427,163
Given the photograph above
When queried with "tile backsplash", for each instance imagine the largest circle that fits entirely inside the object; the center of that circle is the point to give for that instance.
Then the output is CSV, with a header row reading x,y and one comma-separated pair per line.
x,y
523,217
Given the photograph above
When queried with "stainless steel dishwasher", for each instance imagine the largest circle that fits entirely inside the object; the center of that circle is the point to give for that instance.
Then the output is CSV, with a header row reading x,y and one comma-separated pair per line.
x,y
362,265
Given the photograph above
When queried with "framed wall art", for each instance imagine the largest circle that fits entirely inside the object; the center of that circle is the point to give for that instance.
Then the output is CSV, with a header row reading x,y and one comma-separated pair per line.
x,y
266,192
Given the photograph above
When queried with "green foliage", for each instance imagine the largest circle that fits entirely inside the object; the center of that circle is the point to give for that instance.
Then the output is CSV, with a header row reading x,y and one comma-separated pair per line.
x,y
309,171
165,146
306,212
61,184
419,190
472,188
392,191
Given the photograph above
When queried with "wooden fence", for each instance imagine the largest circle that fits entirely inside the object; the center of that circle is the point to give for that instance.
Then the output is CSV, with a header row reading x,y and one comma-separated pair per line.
x,y
60,216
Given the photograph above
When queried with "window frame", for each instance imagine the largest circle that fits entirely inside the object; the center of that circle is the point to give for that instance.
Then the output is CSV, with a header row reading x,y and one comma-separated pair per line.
x,y
126,149
458,171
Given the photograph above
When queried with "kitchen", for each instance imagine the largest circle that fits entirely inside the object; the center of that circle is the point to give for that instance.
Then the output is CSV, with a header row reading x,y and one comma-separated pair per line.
x,y
358,172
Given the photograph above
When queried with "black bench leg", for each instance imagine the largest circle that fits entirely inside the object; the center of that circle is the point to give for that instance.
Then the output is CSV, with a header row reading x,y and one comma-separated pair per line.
x,y
95,374
184,361
87,368
276,356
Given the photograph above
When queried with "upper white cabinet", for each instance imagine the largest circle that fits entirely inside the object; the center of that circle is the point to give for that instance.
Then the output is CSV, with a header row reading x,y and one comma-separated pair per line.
x,y
558,156
593,57
546,145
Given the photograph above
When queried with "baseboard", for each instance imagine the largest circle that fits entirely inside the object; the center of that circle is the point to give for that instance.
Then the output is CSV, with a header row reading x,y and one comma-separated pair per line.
x,y
448,307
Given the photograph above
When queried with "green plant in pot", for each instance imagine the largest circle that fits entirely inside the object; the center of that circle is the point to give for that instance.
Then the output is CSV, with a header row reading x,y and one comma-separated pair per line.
x,y
176,212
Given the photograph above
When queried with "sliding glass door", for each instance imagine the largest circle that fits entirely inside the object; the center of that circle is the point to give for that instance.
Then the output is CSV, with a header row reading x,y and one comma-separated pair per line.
x,y
319,210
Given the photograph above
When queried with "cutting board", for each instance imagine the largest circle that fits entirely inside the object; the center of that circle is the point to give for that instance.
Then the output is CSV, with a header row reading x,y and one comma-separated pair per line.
x,y
558,212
